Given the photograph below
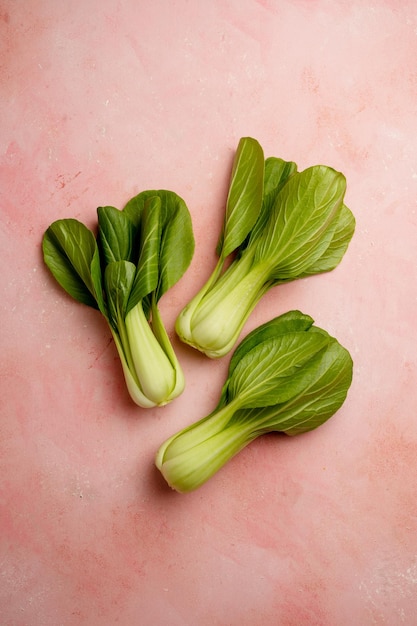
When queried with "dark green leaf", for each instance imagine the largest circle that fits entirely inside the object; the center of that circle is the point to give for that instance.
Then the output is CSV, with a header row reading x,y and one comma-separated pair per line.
x,y
69,249
115,234
134,207
97,280
177,242
118,281
244,200
176,236
147,272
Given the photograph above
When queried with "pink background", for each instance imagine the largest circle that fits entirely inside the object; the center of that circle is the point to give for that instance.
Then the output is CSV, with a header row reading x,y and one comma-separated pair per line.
x,y
101,100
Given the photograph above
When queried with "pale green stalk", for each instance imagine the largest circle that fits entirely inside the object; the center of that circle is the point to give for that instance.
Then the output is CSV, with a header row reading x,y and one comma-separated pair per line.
x,y
152,372
190,458
213,320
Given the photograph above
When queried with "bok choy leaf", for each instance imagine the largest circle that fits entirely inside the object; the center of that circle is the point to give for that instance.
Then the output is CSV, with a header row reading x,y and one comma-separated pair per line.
x,y
139,253
286,376
281,225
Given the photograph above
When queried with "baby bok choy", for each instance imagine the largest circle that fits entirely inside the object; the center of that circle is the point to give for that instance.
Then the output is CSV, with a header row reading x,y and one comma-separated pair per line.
x,y
287,376
138,254
280,225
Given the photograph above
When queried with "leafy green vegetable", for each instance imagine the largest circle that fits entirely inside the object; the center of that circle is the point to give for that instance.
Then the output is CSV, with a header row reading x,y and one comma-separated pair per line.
x,y
281,225
287,376
139,253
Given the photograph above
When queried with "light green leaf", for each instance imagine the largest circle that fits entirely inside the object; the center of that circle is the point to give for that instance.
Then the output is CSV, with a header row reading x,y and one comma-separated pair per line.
x,y
274,370
244,200
345,228
277,172
69,249
301,225
324,392
292,321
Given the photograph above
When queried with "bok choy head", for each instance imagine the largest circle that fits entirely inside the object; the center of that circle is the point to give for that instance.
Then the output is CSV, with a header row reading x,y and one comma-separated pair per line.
x,y
281,225
286,376
138,254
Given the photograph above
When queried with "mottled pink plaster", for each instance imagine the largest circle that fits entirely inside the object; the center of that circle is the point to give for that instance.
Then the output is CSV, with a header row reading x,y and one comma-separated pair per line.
x,y
101,100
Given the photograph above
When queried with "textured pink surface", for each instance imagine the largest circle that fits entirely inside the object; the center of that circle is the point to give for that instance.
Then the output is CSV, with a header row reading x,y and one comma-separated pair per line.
x,y
101,100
